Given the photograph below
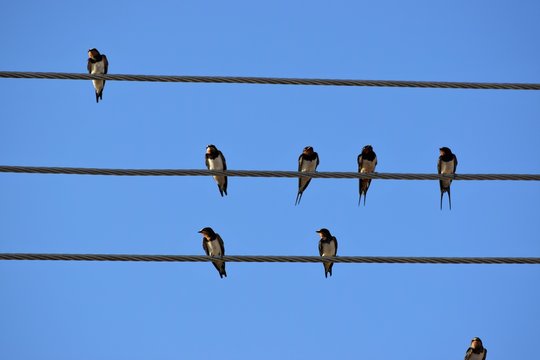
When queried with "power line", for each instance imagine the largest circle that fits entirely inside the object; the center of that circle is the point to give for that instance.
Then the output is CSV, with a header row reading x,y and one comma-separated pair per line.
x,y
261,173
271,81
280,259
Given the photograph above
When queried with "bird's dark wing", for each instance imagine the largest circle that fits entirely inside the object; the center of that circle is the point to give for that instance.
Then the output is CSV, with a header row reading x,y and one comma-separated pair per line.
x,y
468,353
359,160
455,163
220,240
439,166
224,162
335,240
320,247
317,156
300,162
105,63
485,354
89,66
206,162
205,246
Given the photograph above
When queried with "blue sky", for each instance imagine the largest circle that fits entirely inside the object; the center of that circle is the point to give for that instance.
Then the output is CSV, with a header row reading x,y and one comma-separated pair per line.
x,y
89,310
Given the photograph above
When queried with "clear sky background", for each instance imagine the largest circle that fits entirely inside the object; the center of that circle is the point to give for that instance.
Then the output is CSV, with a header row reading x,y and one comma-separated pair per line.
x,y
91,310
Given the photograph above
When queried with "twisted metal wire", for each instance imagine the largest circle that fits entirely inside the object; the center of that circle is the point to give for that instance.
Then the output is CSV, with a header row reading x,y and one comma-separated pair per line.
x,y
272,259
261,173
267,80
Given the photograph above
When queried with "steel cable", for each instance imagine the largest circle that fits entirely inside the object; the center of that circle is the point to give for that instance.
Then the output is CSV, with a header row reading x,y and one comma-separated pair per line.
x,y
273,259
267,80
261,173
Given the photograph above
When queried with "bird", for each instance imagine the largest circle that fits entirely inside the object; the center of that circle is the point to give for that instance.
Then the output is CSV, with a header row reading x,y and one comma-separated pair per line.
x,y
213,245
327,247
97,64
367,160
216,161
476,351
307,162
447,164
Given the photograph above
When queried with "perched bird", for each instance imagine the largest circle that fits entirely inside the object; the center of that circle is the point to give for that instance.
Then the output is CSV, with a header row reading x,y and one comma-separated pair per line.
x,y
367,160
216,161
447,164
476,351
97,64
213,246
307,162
327,247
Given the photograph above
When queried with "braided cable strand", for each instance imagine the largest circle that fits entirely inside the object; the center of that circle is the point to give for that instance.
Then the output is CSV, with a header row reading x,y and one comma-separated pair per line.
x,y
261,173
266,80
273,259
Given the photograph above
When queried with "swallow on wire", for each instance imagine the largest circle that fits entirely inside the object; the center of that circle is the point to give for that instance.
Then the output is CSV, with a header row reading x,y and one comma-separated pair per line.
x,y
97,64
367,161
216,161
447,164
213,246
307,162
328,246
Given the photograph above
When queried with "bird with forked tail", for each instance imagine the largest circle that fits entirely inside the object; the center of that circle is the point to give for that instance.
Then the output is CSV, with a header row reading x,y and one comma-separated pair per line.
x,y
97,64
447,164
216,161
367,161
307,162
213,246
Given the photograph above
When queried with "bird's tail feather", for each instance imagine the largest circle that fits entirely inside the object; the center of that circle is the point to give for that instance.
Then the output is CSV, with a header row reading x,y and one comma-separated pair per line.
x,y
298,198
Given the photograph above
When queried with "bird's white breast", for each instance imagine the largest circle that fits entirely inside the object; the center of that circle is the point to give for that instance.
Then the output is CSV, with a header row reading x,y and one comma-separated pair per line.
x,y
309,165
447,167
476,356
215,164
213,248
329,249
98,68
368,166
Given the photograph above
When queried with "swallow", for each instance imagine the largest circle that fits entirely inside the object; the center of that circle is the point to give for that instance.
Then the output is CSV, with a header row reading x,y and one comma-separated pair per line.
x,y
213,246
476,351
307,162
367,160
216,161
97,64
447,164
327,247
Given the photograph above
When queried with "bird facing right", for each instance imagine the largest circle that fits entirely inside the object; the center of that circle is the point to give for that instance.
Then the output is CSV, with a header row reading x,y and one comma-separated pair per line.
x,y
476,351
367,160
307,162
447,164
327,247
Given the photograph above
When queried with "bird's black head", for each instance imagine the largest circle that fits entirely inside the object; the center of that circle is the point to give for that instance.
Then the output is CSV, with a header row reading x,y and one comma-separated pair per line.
x,y
367,149
93,53
324,232
210,149
308,150
207,231
445,151
476,343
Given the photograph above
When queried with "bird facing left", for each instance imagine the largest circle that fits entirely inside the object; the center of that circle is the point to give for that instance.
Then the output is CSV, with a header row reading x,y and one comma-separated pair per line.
x,y
97,64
